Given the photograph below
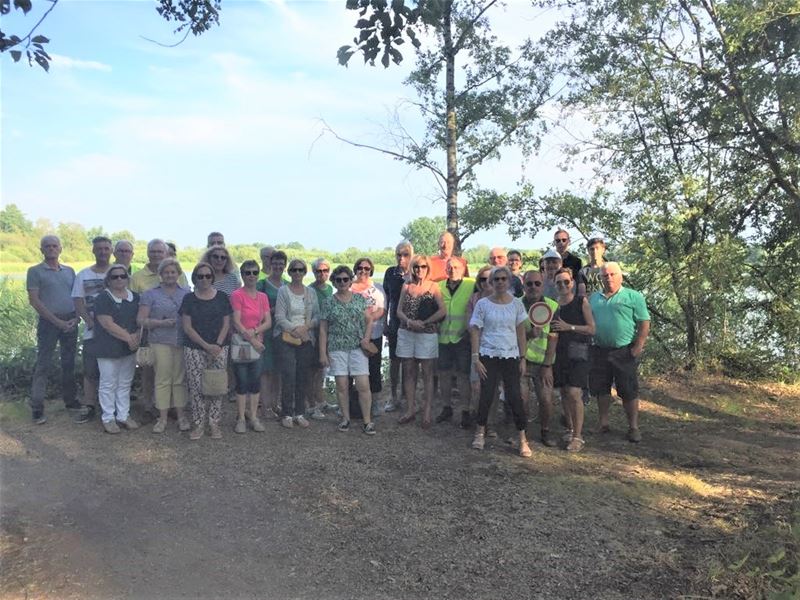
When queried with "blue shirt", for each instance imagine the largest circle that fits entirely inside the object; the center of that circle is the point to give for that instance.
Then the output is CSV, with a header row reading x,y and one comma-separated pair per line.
x,y
616,318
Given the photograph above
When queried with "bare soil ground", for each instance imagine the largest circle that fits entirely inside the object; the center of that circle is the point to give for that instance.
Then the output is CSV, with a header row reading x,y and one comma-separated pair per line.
x,y
408,514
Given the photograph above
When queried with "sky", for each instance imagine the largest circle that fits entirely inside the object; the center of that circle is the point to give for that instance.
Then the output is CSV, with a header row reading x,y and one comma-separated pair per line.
x,y
226,131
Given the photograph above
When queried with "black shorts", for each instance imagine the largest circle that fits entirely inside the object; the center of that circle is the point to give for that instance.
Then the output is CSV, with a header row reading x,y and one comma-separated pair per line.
x,y
90,369
570,373
392,339
615,366
455,357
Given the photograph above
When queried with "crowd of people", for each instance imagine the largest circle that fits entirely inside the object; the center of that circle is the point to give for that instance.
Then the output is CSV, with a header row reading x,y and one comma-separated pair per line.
x,y
259,336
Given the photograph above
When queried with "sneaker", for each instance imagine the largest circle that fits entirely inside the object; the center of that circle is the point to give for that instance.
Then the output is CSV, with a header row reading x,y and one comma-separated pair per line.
x,y
344,425
39,418
567,436
547,440
80,414
241,426
301,422
634,436
390,407
478,441
287,422
129,424
369,428
160,426
271,415
257,425
183,424
491,433
317,414
111,427
445,415
466,419
196,433
216,432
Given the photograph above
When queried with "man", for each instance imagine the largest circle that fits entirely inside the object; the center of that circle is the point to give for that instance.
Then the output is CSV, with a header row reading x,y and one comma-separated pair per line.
x,y
49,287
438,264
88,284
499,258
539,367
172,250
393,281
589,279
147,277
123,253
266,257
454,342
622,324
568,259
515,264
215,238
324,290
550,264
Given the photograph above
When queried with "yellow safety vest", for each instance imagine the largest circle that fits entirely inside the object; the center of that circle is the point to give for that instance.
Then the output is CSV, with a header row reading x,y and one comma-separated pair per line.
x,y
452,329
537,347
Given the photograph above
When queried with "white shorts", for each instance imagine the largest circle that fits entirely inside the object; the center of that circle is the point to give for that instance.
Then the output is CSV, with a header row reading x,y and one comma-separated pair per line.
x,y
413,344
348,363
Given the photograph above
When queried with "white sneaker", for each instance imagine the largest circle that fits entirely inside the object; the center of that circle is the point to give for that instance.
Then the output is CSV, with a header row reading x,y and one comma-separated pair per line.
x,y
301,421
287,422
318,415
477,441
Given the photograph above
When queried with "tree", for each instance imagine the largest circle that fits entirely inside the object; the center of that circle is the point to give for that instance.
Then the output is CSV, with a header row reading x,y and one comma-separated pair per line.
x,y
12,220
424,233
476,94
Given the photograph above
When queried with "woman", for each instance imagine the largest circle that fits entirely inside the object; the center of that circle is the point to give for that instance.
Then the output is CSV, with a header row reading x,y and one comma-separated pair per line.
x,y
296,320
158,314
574,325
251,318
419,310
116,340
483,288
226,277
497,334
321,285
206,319
373,293
270,378
344,332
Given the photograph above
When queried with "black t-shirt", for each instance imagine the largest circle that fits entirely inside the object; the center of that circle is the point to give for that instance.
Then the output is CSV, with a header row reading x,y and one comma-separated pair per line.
x,y
123,314
393,281
207,317
516,286
571,261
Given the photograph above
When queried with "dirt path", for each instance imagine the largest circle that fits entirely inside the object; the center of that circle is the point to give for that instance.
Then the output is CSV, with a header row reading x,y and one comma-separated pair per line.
x,y
406,514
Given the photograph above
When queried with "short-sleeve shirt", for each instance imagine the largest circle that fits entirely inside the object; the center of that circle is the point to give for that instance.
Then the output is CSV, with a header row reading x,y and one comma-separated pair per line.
x,y
88,284
123,313
324,293
346,322
498,324
251,310
54,287
616,318
438,267
570,261
144,279
164,306
207,317
590,277
375,297
228,283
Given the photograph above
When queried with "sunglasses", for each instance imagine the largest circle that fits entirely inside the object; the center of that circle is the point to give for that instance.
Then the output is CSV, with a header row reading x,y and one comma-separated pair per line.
x,y
341,279
501,278
204,276
249,273
362,269
533,283
121,276
219,257
562,283
323,270
562,240
297,270
417,267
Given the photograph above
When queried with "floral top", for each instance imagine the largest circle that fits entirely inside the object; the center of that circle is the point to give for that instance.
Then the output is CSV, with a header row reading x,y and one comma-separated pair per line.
x,y
419,308
346,322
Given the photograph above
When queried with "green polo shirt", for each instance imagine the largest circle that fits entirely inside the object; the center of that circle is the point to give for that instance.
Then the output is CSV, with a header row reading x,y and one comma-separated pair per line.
x,y
616,318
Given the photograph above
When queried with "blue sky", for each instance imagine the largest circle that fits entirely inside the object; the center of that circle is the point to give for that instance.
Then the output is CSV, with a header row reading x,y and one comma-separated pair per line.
x,y
224,131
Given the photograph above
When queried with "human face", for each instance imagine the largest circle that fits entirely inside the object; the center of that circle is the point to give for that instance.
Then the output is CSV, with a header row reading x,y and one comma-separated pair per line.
x,y
123,254
596,252
266,259
203,279
250,276
612,278
403,257
156,253
500,282
446,245
218,258
483,280
297,271
118,279
455,270
277,265
498,258
342,281
551,267
169,275
51,248
102,252
561,242
534,285
515,263
420,271
216,240
321,273
563,284
362,271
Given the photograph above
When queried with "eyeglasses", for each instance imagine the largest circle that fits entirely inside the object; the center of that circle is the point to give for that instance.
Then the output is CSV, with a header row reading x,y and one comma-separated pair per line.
x,y
323,270
501,278
562,283
297,270
533,283
363,268
341,279
402,254
515,259
483,279
561,240
219,257
204,276
417,267
249,273
120,276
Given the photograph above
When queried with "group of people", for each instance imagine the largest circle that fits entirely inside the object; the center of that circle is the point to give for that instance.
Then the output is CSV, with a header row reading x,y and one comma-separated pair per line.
x,y
258,334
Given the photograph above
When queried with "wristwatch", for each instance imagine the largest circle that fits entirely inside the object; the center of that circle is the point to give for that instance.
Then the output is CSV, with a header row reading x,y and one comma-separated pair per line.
x,y
573,327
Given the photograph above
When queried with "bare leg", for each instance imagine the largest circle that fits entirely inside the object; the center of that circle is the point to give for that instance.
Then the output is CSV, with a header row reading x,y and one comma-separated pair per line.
x,y
574,406
603,406
632,411
427,380
394,378
241,403
364,397
253,406
410,385
343,395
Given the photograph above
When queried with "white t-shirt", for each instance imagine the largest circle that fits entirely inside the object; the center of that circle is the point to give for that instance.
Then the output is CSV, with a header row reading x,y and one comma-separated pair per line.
x,y
498,324
375,297
88,284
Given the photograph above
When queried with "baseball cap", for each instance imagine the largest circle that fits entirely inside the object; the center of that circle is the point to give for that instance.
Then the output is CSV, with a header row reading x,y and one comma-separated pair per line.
x,y
551,253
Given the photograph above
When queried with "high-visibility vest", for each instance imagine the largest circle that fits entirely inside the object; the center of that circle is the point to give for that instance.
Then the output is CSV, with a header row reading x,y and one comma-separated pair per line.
x,y
537,347
452,329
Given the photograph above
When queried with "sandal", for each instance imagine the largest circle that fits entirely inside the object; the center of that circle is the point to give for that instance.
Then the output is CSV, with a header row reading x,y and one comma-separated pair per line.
x,y
576,445
405,419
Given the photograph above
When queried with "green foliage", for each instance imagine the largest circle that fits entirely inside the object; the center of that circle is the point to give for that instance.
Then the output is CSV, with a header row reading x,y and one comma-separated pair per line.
x,y
17,337
423,233
13,221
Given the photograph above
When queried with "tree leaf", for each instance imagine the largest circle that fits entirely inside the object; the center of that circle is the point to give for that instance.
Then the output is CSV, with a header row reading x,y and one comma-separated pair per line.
x,y
16,55
25,5
42,62
40,39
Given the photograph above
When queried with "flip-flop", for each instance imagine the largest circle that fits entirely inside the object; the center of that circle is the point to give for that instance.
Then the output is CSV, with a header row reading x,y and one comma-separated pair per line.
x,y
576,445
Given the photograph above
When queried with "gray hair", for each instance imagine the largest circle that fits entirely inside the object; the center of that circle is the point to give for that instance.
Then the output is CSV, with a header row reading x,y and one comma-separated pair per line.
x,y
405,244
169,262
318,263
120,242
504,268
266,250
49,236
156,241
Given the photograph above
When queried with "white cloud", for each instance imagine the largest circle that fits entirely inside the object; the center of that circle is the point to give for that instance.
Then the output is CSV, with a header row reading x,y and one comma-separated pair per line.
x,y
65,62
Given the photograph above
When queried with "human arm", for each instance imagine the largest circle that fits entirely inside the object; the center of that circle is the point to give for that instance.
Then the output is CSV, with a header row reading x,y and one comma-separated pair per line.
x,y
44,312
83,312
475,344
323,343
523,346
441,310
401,316
642,331
546,370
588,317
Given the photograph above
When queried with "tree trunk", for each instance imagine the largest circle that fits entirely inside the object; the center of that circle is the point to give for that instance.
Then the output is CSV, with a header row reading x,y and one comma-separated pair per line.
x,y
452,134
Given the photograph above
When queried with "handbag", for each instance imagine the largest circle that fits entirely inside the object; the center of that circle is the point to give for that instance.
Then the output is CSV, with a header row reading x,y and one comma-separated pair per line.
x,y
369,349
144,354
215,382
242,350
577,351
290,339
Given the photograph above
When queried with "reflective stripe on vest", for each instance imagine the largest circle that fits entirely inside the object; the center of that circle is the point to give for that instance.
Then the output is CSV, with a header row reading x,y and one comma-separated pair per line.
x,y
537,347
452,329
